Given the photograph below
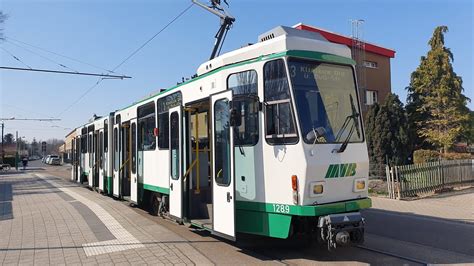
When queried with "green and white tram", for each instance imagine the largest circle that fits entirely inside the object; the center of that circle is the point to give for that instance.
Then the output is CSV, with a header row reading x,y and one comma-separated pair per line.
x,y
265,140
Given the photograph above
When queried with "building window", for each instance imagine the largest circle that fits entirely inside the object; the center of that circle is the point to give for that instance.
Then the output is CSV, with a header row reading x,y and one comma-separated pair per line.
x,y
370,64
370,97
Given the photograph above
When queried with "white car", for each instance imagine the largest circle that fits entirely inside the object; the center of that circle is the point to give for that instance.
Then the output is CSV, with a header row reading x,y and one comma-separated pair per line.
x,y
54,160
45,159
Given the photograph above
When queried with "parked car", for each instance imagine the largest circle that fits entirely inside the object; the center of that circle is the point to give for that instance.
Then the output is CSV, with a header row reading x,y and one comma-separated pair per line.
x,y
45,159
54,160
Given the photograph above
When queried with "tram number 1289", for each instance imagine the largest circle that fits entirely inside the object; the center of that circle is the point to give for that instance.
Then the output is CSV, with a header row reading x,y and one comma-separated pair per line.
x,y
281,208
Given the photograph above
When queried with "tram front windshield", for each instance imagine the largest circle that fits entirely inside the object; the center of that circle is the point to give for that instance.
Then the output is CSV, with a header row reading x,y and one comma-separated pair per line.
x,y
326,101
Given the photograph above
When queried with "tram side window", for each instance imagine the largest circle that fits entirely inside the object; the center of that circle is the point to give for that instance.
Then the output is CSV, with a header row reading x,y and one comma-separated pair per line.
x,y
221,142
101,148
146,126
106,135
84,141
116,154
134,148
279,118
245,83
163,106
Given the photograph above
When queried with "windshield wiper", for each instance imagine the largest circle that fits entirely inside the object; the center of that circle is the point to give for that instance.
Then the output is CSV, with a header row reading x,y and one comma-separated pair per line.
x,y
355,126
346,141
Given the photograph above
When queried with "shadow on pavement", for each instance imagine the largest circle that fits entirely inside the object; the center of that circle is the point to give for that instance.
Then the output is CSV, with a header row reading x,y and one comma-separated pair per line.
x,y
452,235
6,198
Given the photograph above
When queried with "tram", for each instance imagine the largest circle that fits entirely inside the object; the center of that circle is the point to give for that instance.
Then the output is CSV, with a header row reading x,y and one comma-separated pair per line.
x,y
266,139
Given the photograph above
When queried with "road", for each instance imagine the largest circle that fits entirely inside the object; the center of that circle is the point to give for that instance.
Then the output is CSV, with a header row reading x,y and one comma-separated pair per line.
x,y
393,238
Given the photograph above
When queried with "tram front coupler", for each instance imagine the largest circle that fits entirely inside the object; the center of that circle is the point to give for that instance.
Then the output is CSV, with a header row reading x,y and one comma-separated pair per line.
x,y
341,229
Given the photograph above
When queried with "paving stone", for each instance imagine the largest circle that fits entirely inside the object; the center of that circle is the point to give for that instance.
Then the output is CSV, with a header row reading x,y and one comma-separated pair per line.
x,y
47,227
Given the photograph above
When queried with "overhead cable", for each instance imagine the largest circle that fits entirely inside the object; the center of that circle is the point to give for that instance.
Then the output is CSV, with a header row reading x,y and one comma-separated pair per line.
x,y
16,58
58,54
126,59
42,56
153,37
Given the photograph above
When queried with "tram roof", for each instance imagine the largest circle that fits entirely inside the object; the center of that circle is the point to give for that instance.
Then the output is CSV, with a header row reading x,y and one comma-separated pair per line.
x,y
277,40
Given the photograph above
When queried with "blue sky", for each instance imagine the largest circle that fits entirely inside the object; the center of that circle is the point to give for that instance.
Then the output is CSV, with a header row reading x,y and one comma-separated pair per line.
x,y
104,32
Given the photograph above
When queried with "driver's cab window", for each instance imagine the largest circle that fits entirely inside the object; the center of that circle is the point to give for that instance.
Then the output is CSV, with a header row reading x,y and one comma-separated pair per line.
x,y
279,118
245,101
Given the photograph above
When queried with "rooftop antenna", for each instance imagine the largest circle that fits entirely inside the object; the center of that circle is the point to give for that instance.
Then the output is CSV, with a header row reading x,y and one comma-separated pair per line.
x,y
226,22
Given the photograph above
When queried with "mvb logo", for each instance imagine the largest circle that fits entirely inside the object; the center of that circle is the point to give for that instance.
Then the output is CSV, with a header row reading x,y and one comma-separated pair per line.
x,y
341,170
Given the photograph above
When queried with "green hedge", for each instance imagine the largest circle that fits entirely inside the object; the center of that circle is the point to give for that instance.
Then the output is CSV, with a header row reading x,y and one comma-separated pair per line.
x,y
456,156
10,161
424,156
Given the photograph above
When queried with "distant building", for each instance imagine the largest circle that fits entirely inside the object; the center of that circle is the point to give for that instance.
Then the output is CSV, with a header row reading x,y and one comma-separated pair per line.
x,y
374,66
66,149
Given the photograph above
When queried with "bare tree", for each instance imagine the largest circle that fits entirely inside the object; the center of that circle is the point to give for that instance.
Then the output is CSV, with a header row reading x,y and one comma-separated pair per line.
x,y
3,17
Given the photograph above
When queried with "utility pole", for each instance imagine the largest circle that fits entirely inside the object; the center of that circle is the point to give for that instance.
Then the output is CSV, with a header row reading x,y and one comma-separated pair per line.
x,y
16,155
3,151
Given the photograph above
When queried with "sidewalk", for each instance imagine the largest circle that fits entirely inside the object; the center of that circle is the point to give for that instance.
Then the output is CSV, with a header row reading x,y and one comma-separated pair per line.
x,y
457,206
45,220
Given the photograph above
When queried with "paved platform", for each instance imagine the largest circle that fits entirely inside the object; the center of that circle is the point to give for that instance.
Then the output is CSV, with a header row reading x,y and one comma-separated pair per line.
x,y
455,206
46,220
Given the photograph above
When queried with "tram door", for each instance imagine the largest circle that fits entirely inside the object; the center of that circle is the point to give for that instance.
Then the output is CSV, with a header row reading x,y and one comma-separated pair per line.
x,y
125,169
176,147
90,177
133,162
116,156
223,182
73,153
101,160
95,182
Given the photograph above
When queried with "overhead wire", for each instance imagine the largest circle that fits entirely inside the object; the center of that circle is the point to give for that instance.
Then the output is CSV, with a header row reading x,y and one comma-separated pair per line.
x,y
42,56
58,54
15,57
127,58
153,37
80,97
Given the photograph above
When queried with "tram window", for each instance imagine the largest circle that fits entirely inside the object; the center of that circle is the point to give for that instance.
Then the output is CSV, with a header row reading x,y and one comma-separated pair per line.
x,y
175,146
106,135
146,126
163,130
221,142
245,83
101,149
279,118
84,144
116,154
134,148
163,106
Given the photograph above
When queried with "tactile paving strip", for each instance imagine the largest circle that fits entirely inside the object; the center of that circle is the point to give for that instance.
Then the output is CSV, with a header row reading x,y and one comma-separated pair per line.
x,y
124,240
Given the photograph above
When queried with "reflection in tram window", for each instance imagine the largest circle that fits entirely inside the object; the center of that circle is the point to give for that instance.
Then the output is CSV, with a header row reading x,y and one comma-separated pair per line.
x,y
222,142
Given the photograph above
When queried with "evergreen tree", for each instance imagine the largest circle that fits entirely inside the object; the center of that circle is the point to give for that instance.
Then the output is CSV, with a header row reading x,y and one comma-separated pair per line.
x,y
387,133
370,133
436,106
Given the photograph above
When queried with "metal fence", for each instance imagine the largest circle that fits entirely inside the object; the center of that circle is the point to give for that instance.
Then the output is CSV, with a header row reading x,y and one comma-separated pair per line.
x,y
413,180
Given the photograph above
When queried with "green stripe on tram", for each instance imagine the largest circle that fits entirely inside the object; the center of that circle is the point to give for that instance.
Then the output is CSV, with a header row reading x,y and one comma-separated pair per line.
x,y
156,189
314,210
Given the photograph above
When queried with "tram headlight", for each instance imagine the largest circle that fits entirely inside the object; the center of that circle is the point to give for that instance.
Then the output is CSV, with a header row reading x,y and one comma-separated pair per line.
x,y
316,189
360,184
